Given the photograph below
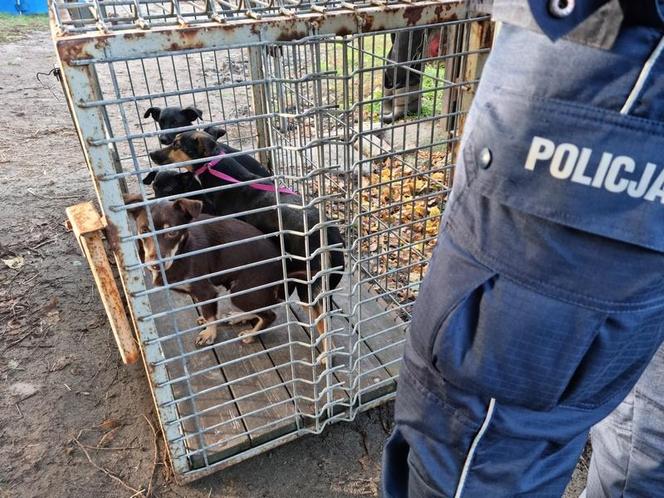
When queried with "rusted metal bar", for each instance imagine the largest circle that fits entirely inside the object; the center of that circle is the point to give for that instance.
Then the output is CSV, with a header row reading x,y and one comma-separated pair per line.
x,y
88,226
480,37
84,49
81,84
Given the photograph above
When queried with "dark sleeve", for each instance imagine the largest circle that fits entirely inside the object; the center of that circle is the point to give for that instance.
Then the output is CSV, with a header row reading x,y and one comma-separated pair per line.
x,y
590,22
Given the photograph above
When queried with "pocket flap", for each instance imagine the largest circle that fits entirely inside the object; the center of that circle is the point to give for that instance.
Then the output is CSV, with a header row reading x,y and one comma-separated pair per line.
x,y
582,167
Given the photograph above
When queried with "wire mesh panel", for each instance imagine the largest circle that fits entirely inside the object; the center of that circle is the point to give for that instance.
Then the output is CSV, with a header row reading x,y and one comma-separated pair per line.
x,y
271,215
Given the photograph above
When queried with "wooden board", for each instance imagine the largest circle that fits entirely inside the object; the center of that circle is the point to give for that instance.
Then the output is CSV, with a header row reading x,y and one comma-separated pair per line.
x,y
224,440
381,332
375,374
268,411
302,385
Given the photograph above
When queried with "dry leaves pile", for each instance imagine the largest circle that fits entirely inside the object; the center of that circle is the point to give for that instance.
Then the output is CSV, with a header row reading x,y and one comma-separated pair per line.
x,y
400,220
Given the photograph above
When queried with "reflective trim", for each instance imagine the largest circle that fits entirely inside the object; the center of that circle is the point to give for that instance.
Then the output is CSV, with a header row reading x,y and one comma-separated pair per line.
x,y
473,447
643,77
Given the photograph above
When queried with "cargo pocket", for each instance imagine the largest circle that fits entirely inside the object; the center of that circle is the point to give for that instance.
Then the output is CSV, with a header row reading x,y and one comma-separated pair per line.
x,y
452,276
510,343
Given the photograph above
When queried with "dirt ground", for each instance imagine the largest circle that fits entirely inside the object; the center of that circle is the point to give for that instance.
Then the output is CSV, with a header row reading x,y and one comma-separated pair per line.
x,y
63,389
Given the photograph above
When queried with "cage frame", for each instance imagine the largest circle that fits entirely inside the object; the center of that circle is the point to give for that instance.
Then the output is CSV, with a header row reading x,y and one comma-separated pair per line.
x,y
79,52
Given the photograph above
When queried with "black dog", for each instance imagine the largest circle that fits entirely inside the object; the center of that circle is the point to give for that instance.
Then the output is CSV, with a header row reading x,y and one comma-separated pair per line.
x,y
173,117
176,117
194,145
168,182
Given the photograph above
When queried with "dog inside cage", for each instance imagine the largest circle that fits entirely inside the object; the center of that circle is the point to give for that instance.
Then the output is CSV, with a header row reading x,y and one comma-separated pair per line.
x,y
282,200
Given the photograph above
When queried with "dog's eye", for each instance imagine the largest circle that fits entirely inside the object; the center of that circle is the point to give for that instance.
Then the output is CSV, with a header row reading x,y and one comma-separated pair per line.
x,y
172,235
144,229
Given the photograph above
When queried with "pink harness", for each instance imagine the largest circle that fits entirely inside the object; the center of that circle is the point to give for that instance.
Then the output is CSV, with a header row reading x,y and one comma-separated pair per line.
x,y
209,167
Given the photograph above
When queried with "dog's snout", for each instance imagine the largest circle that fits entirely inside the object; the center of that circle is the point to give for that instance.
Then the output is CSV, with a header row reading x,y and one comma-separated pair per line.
x,y
158,156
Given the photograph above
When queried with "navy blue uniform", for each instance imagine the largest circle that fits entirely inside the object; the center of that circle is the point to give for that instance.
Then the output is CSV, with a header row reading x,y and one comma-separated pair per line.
x,y
544,300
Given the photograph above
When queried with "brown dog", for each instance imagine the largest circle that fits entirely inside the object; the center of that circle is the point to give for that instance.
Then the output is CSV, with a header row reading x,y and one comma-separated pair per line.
x,y
173,214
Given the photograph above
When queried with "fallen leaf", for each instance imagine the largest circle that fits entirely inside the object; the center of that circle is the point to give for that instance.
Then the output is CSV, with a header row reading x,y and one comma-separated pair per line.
x,y
434,211
14,263
59,363
109,424
438,176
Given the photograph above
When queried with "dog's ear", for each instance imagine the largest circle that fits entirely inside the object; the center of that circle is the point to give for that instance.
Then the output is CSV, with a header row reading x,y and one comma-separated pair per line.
x,y
133,199
155,112
206,144
190,207
215,132
149,178
192,113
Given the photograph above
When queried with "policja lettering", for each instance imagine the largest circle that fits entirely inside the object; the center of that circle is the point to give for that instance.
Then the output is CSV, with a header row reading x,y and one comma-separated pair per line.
x,y
612,173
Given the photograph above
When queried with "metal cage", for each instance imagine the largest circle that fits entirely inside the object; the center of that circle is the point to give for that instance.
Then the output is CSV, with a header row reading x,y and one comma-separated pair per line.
x,y
299,86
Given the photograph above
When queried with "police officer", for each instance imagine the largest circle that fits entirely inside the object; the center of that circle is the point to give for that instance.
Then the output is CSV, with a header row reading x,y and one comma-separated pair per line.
x,y
544,300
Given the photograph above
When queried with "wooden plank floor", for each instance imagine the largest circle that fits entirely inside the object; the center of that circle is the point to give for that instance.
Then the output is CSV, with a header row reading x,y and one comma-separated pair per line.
x,y
380,335
382,332
291,357
268,385
224,440
265,403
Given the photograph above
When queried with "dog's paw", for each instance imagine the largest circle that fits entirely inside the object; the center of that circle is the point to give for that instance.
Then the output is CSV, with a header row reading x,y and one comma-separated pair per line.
x,y
206,337
235,319
324,359
247,337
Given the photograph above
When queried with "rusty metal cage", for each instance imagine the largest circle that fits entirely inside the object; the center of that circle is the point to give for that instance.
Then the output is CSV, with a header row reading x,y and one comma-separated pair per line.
x,y
299,86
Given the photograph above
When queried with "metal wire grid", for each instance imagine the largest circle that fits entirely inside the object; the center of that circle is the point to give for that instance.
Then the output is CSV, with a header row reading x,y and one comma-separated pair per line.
x,y
348,95
307,109
330,124
127,85
114,15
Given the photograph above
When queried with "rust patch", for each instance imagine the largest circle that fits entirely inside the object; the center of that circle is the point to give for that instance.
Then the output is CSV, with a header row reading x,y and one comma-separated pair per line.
x,y
486,34
134,35
101,43
412,15
442,13
190,33
366,22
344,32
176,47
71,50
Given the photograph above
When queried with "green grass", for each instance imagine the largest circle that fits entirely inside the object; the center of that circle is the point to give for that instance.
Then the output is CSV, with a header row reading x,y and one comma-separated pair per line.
x,y
432,100
13,28
375,50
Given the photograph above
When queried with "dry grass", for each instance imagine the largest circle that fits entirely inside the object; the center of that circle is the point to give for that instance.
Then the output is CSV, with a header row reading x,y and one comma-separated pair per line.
x,y
15,27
